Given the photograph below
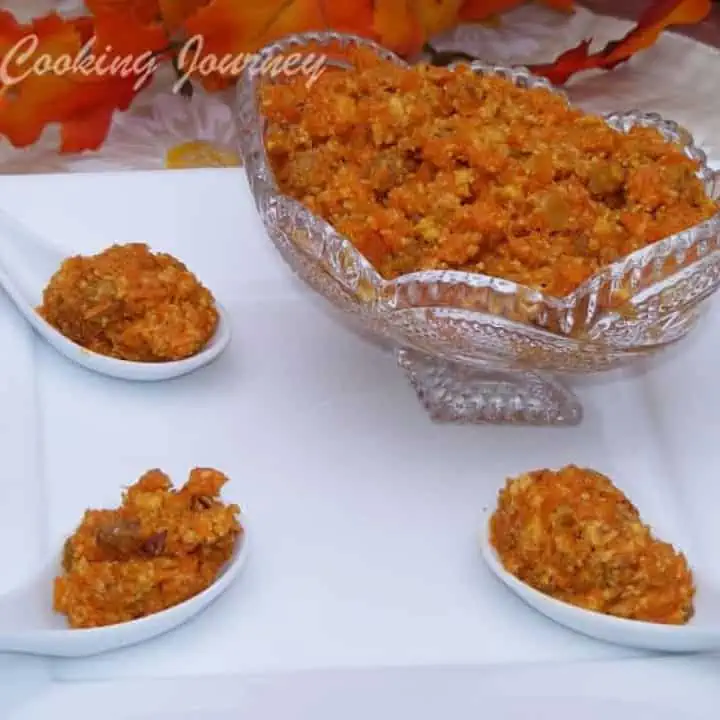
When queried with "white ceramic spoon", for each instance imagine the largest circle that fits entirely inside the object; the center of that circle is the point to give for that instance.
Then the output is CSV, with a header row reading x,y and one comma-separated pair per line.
x,y
701,634
27,262
29,625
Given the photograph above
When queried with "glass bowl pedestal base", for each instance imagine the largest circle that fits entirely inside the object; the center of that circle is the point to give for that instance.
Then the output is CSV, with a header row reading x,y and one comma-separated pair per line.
x,y
458,393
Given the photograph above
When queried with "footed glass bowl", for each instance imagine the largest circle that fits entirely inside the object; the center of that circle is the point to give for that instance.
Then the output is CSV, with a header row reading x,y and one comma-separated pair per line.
x,y
478,348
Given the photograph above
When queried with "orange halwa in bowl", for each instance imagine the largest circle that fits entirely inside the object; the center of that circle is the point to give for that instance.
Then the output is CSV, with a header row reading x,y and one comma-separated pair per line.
x,y
495,235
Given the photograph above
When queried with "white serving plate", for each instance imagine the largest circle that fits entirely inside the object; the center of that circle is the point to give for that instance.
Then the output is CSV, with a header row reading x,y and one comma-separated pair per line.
x,y
365,513
658,689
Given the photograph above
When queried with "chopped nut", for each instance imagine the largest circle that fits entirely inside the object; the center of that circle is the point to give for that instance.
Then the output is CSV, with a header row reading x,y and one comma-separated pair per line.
x,y
120,536
155,544
202,502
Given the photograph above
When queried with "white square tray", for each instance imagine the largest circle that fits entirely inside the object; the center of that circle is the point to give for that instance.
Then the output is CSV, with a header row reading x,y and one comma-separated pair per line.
x,y
364,513
661,689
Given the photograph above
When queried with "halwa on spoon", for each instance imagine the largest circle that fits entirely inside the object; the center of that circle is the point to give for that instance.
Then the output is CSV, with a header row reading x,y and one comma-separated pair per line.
x,y
28,263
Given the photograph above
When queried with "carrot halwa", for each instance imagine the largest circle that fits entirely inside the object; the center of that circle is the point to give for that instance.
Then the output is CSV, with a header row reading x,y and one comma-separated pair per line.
x,y
574,536
130,303
428,168
159,548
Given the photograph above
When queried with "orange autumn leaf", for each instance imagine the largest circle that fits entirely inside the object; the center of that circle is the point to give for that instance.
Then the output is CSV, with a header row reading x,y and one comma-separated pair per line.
x,y
397,26
141,11
86,131
659,16
236,26
175,12
134,49
437,16
349,16
145,12
231,27
84,27
405,25
122,36
232,30
52,84
27,98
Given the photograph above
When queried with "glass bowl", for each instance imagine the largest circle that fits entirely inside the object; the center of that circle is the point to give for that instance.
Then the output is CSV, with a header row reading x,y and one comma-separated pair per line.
x,y
478,348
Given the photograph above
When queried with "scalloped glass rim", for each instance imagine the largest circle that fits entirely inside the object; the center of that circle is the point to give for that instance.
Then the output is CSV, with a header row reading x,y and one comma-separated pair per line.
x,y
637,275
